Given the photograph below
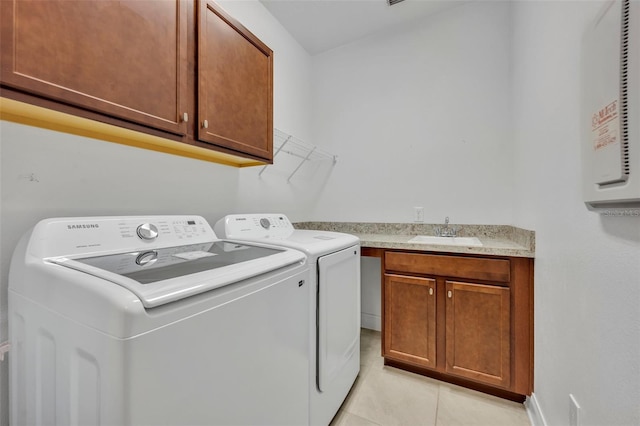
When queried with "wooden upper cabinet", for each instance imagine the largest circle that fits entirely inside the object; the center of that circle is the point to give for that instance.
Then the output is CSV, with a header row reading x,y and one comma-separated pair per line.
x,y
235,85
478,332
126,59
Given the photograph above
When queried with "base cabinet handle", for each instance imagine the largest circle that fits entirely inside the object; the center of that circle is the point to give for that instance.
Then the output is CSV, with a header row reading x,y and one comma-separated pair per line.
x,y
449,294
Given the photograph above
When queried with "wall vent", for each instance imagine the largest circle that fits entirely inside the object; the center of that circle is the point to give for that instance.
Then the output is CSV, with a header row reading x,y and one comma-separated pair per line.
x,y
624,88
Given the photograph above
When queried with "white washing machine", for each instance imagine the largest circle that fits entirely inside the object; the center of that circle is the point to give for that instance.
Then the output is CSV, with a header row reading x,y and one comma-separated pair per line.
x,y
334,260
154,320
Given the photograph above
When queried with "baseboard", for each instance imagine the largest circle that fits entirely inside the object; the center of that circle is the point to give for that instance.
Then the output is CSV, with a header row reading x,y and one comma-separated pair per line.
x,y
534,411
372,322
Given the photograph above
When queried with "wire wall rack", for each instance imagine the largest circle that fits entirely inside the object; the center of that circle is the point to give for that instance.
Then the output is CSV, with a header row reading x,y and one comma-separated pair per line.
x,y
289,144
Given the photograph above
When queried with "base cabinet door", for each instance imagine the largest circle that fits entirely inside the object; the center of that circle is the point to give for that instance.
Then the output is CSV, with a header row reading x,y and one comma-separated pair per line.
x,y
125,59
478,332
410,320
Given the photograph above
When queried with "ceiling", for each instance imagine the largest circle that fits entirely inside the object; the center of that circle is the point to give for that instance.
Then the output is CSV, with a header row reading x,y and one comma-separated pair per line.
x,y
321,25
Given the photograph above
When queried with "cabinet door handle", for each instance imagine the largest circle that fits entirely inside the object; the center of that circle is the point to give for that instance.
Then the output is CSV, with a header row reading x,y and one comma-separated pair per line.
x,y
449,294
185,117
431,291
205,124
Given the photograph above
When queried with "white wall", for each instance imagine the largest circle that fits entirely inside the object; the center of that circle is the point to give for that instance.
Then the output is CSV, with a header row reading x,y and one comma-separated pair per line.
x,y
587,274
46,174
420,117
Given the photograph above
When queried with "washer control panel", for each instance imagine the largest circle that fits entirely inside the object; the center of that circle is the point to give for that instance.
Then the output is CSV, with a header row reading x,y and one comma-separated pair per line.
x,y
68,236
241,226
176,228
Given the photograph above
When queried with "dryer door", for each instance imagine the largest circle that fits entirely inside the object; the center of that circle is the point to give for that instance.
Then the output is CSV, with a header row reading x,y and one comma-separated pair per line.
x,y
338,313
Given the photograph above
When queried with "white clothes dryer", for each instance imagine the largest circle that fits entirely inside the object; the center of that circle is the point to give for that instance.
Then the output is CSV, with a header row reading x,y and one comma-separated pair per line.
x,y
154,320
334,267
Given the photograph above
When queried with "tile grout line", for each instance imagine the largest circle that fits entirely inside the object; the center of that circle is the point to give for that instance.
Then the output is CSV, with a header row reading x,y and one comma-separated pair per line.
x,y
435,421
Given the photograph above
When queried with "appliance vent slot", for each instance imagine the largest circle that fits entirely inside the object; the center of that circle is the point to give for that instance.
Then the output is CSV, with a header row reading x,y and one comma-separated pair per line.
x,y
624,87
392,2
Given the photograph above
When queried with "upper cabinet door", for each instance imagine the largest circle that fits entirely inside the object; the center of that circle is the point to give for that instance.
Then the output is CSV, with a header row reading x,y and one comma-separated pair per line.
x,y
235,85
126,59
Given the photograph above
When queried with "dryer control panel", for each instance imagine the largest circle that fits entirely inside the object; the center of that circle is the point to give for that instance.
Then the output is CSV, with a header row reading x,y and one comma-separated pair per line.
x,y
251,226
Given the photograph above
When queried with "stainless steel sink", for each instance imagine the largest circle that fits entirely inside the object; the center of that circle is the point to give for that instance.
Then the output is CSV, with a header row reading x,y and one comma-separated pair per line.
x,y
447,241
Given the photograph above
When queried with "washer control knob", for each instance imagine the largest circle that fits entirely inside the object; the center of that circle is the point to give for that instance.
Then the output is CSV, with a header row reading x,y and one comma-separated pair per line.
x,y
147,231
147,258
264,222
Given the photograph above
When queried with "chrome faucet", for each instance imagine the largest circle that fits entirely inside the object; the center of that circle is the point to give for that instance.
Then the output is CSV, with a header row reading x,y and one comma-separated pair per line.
x,y
445,231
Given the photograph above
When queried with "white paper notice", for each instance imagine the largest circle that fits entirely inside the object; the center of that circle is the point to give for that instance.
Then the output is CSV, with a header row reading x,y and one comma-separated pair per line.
x,y
193,255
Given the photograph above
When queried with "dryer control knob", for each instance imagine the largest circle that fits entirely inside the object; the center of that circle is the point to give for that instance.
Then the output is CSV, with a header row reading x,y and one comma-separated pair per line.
x,y
265,223
147,231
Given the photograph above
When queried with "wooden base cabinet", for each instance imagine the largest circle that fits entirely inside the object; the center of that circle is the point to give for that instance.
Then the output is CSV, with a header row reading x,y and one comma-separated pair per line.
x,y
468,320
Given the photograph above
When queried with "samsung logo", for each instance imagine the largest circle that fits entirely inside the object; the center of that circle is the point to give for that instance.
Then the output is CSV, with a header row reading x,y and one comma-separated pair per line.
x,y
83,226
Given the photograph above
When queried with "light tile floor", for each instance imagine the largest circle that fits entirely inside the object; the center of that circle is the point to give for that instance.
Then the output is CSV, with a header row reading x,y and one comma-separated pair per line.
x,y
387,396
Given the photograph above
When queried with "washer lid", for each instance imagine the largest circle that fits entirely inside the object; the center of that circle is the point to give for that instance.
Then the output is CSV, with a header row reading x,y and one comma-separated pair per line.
x,y
163,275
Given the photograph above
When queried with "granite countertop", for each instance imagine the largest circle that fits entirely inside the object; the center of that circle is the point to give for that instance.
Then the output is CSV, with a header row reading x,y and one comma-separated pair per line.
x,y
497,240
